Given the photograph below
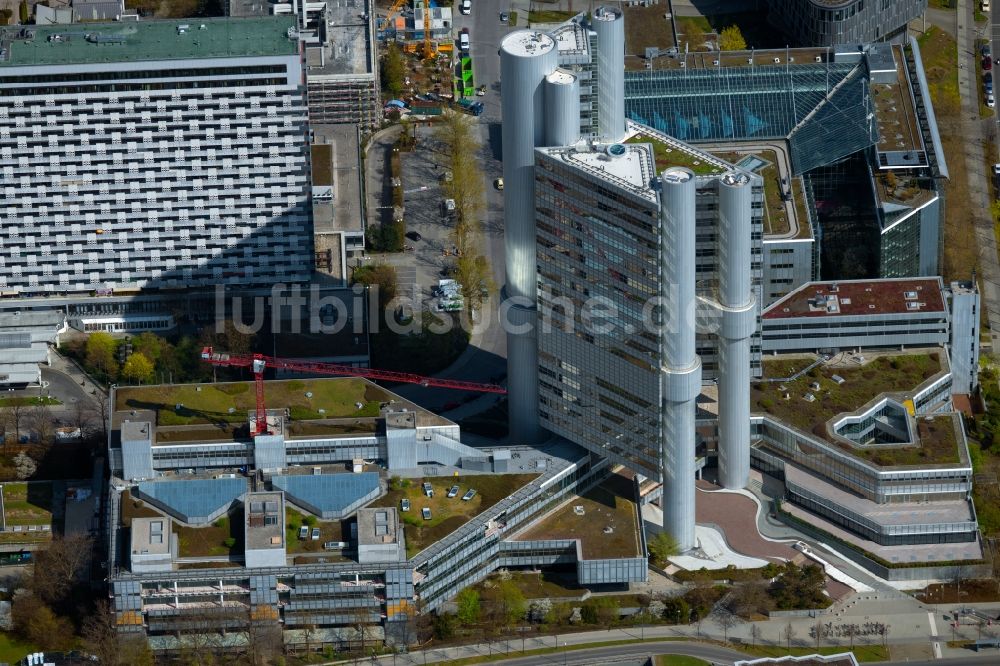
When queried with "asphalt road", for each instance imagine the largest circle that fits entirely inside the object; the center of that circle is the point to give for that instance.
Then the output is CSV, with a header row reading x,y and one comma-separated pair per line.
x,y
710,653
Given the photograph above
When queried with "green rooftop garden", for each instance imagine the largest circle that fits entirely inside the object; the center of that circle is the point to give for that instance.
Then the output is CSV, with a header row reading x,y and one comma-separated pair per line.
x,y
607,505
447,514
897,375
202,404
27,504
667,156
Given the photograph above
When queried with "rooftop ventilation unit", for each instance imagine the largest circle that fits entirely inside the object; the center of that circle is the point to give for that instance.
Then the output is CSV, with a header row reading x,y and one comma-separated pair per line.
x,y
749,61
777,61
818,58
715,62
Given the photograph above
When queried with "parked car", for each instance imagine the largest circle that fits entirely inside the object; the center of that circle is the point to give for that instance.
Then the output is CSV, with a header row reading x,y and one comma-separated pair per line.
x,y
463,40
985,50
452,491
504,17
465,7
413,235
303,532
987,64
990,101
498,183
469,495
315,534
426,513
428,489
404,504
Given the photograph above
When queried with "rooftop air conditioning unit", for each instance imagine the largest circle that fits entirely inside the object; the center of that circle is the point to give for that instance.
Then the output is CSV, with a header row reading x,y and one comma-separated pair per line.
x,y
682,63
749,61
819,58
777,61
715,62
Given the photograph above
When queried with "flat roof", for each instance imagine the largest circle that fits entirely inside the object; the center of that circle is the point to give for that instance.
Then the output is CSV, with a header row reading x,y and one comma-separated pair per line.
x,y
264,516
527,43
894,112
859,298
626,165
348,50
150,536
149,40
670,152
603,519
703,60
378,526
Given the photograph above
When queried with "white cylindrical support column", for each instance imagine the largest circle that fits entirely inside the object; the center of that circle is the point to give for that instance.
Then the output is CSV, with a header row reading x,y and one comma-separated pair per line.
x,y
562,108
738,319
682,367
526,58
609,24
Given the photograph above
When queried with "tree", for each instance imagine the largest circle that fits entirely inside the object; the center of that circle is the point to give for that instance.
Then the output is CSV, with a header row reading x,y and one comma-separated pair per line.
x,y
749,599
36,622
799,588
444,625
755,633
25,466
851,630
731,39
100,353
99,410
468,606
474,274
39,420
789,635
58,567
138,368
100,635
661,547
12,415
510,603
25,11
378,276
726,620
393,70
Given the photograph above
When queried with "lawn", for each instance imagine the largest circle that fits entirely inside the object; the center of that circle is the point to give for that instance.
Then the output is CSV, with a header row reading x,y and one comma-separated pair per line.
x,y
447,515
13,649
885,374
210,540
604,506
549,16
667,156
862,652
940,57
27,503
545,585
25,401
322,164
329,530
645,26
230,402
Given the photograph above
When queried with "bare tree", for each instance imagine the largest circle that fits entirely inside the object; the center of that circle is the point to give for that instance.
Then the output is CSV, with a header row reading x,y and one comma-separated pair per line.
x,y
726,620
58,567
263,636
851,630
82,418
102,638
13,415
39,420
755,634
99,410
790,634
749,599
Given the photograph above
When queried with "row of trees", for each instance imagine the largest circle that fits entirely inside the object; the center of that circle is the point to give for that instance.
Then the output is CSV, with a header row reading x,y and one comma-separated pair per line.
x,y
456,131
153,357
730,38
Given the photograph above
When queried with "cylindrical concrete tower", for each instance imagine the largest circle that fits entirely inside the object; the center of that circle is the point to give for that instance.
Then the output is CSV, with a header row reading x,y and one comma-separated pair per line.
x,y
738,319
682,366
609,24
562,108
526,58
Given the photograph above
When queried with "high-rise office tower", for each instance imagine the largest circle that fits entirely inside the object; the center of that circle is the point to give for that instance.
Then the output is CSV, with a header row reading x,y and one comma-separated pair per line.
x,y
619,243
157,154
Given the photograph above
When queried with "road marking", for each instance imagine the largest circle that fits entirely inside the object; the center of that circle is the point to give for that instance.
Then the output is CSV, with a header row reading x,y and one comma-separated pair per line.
x,y
936,645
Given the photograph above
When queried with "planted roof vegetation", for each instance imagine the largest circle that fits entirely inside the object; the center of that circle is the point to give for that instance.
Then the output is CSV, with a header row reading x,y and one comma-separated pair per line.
x,y
896,376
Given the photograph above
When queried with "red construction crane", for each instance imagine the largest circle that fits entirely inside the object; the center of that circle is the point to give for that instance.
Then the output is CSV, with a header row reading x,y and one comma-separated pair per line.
x,y
258,362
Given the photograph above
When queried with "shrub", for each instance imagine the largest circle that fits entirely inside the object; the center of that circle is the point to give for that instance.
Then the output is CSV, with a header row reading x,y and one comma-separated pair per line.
x,y
229,542
310,521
